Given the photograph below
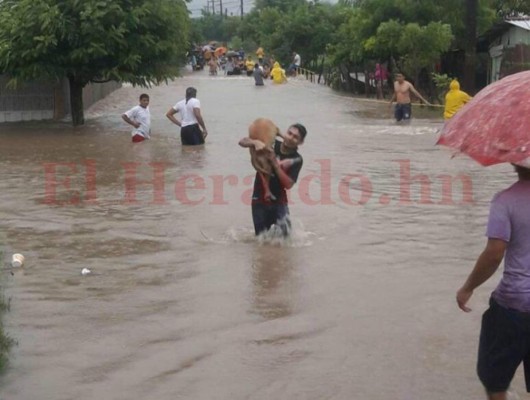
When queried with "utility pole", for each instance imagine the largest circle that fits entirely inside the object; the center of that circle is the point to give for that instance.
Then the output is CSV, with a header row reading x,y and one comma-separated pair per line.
x,y
221,8
470,45
241,9
213,7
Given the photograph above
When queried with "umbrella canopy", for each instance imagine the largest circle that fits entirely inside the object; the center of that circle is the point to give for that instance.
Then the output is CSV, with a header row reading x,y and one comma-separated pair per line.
x,y
220,51
232,53
494,127
207,48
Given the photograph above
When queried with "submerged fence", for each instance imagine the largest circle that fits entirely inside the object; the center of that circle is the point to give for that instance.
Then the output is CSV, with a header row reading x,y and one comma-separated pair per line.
x,y
311,76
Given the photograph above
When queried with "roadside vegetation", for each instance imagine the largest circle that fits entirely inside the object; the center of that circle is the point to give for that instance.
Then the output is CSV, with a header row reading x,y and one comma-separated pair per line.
x,y
338,41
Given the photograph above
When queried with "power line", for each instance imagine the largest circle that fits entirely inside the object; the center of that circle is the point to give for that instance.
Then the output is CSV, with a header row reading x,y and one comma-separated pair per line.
x,y
223,6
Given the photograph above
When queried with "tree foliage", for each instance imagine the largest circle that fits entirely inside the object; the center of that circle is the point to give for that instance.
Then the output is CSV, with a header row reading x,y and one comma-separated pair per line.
x,y
415,46
281,5
306,28
210,27
137,41
512,8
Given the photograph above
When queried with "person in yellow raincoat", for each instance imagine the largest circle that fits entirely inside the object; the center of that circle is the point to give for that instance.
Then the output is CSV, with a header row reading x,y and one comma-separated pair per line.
x,y
249,64
455,99
260,53
278,73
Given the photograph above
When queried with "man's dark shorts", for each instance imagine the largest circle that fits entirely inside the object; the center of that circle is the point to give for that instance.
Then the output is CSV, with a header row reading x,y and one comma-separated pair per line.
x,y
504,344
403,112
266,215
191,135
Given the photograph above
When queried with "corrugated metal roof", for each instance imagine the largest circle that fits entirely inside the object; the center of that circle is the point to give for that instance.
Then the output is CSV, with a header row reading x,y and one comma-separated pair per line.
x,y
525,24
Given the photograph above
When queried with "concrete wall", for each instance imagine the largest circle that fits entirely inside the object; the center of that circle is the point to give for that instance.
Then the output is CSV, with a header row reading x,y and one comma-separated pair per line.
x,y
43,100
97,91
27,102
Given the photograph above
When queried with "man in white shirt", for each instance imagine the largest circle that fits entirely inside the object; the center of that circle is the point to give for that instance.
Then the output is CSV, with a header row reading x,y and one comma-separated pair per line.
x,y
192,128
297,61
140,118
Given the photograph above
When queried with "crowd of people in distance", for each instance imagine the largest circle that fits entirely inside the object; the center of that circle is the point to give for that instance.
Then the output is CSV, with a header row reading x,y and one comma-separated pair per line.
x,y
229,62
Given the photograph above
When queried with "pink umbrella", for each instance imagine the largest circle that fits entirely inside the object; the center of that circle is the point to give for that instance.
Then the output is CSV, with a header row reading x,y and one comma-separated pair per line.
x,y
494,127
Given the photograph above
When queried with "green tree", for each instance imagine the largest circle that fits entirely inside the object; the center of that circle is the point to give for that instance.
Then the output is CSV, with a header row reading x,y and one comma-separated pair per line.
x,y
136,41
210,26
282,5
413,47
236,43
376,25
512,7
308,29
384,44
422,46
230,28
346,52
298,26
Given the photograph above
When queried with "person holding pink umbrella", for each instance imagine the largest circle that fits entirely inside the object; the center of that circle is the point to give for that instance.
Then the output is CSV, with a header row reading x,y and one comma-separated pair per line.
x,y
505,332
493,128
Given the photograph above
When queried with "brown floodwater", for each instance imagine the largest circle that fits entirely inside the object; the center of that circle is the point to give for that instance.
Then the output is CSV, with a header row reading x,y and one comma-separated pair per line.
x,y
183,302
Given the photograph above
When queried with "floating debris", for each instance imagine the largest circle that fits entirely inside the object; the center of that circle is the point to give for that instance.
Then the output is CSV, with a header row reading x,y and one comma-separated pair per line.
x,y
18,260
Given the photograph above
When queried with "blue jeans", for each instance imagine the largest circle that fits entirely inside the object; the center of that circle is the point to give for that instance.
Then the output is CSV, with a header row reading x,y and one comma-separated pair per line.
x,y
266,215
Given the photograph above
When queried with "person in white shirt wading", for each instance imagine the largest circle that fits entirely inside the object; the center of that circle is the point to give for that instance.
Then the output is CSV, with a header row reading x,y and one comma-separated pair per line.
x,y
297,61
192,128
140,118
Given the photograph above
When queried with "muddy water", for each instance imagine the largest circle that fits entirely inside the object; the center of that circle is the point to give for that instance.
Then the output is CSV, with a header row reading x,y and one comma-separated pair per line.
x,y
184,303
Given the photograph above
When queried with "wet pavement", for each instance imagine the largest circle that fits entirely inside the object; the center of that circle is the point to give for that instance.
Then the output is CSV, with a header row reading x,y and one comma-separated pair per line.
x,y
183,302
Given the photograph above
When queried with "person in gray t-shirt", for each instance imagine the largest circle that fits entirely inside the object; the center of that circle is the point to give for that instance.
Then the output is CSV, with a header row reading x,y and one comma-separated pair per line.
x,y
505,332
258,75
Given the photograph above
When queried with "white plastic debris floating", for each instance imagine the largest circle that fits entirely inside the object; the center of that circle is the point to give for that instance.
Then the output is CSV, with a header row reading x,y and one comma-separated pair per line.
x,y
85,271
17,260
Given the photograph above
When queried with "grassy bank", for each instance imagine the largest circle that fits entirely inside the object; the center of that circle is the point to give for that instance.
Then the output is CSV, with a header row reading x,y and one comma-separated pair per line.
x,y
5,341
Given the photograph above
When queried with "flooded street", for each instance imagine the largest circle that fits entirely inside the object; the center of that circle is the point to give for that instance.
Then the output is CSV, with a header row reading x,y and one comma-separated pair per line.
x,y
183,302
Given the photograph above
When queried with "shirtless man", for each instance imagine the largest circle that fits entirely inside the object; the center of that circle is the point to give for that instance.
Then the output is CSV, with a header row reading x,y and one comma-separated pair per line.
x,y
402,90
